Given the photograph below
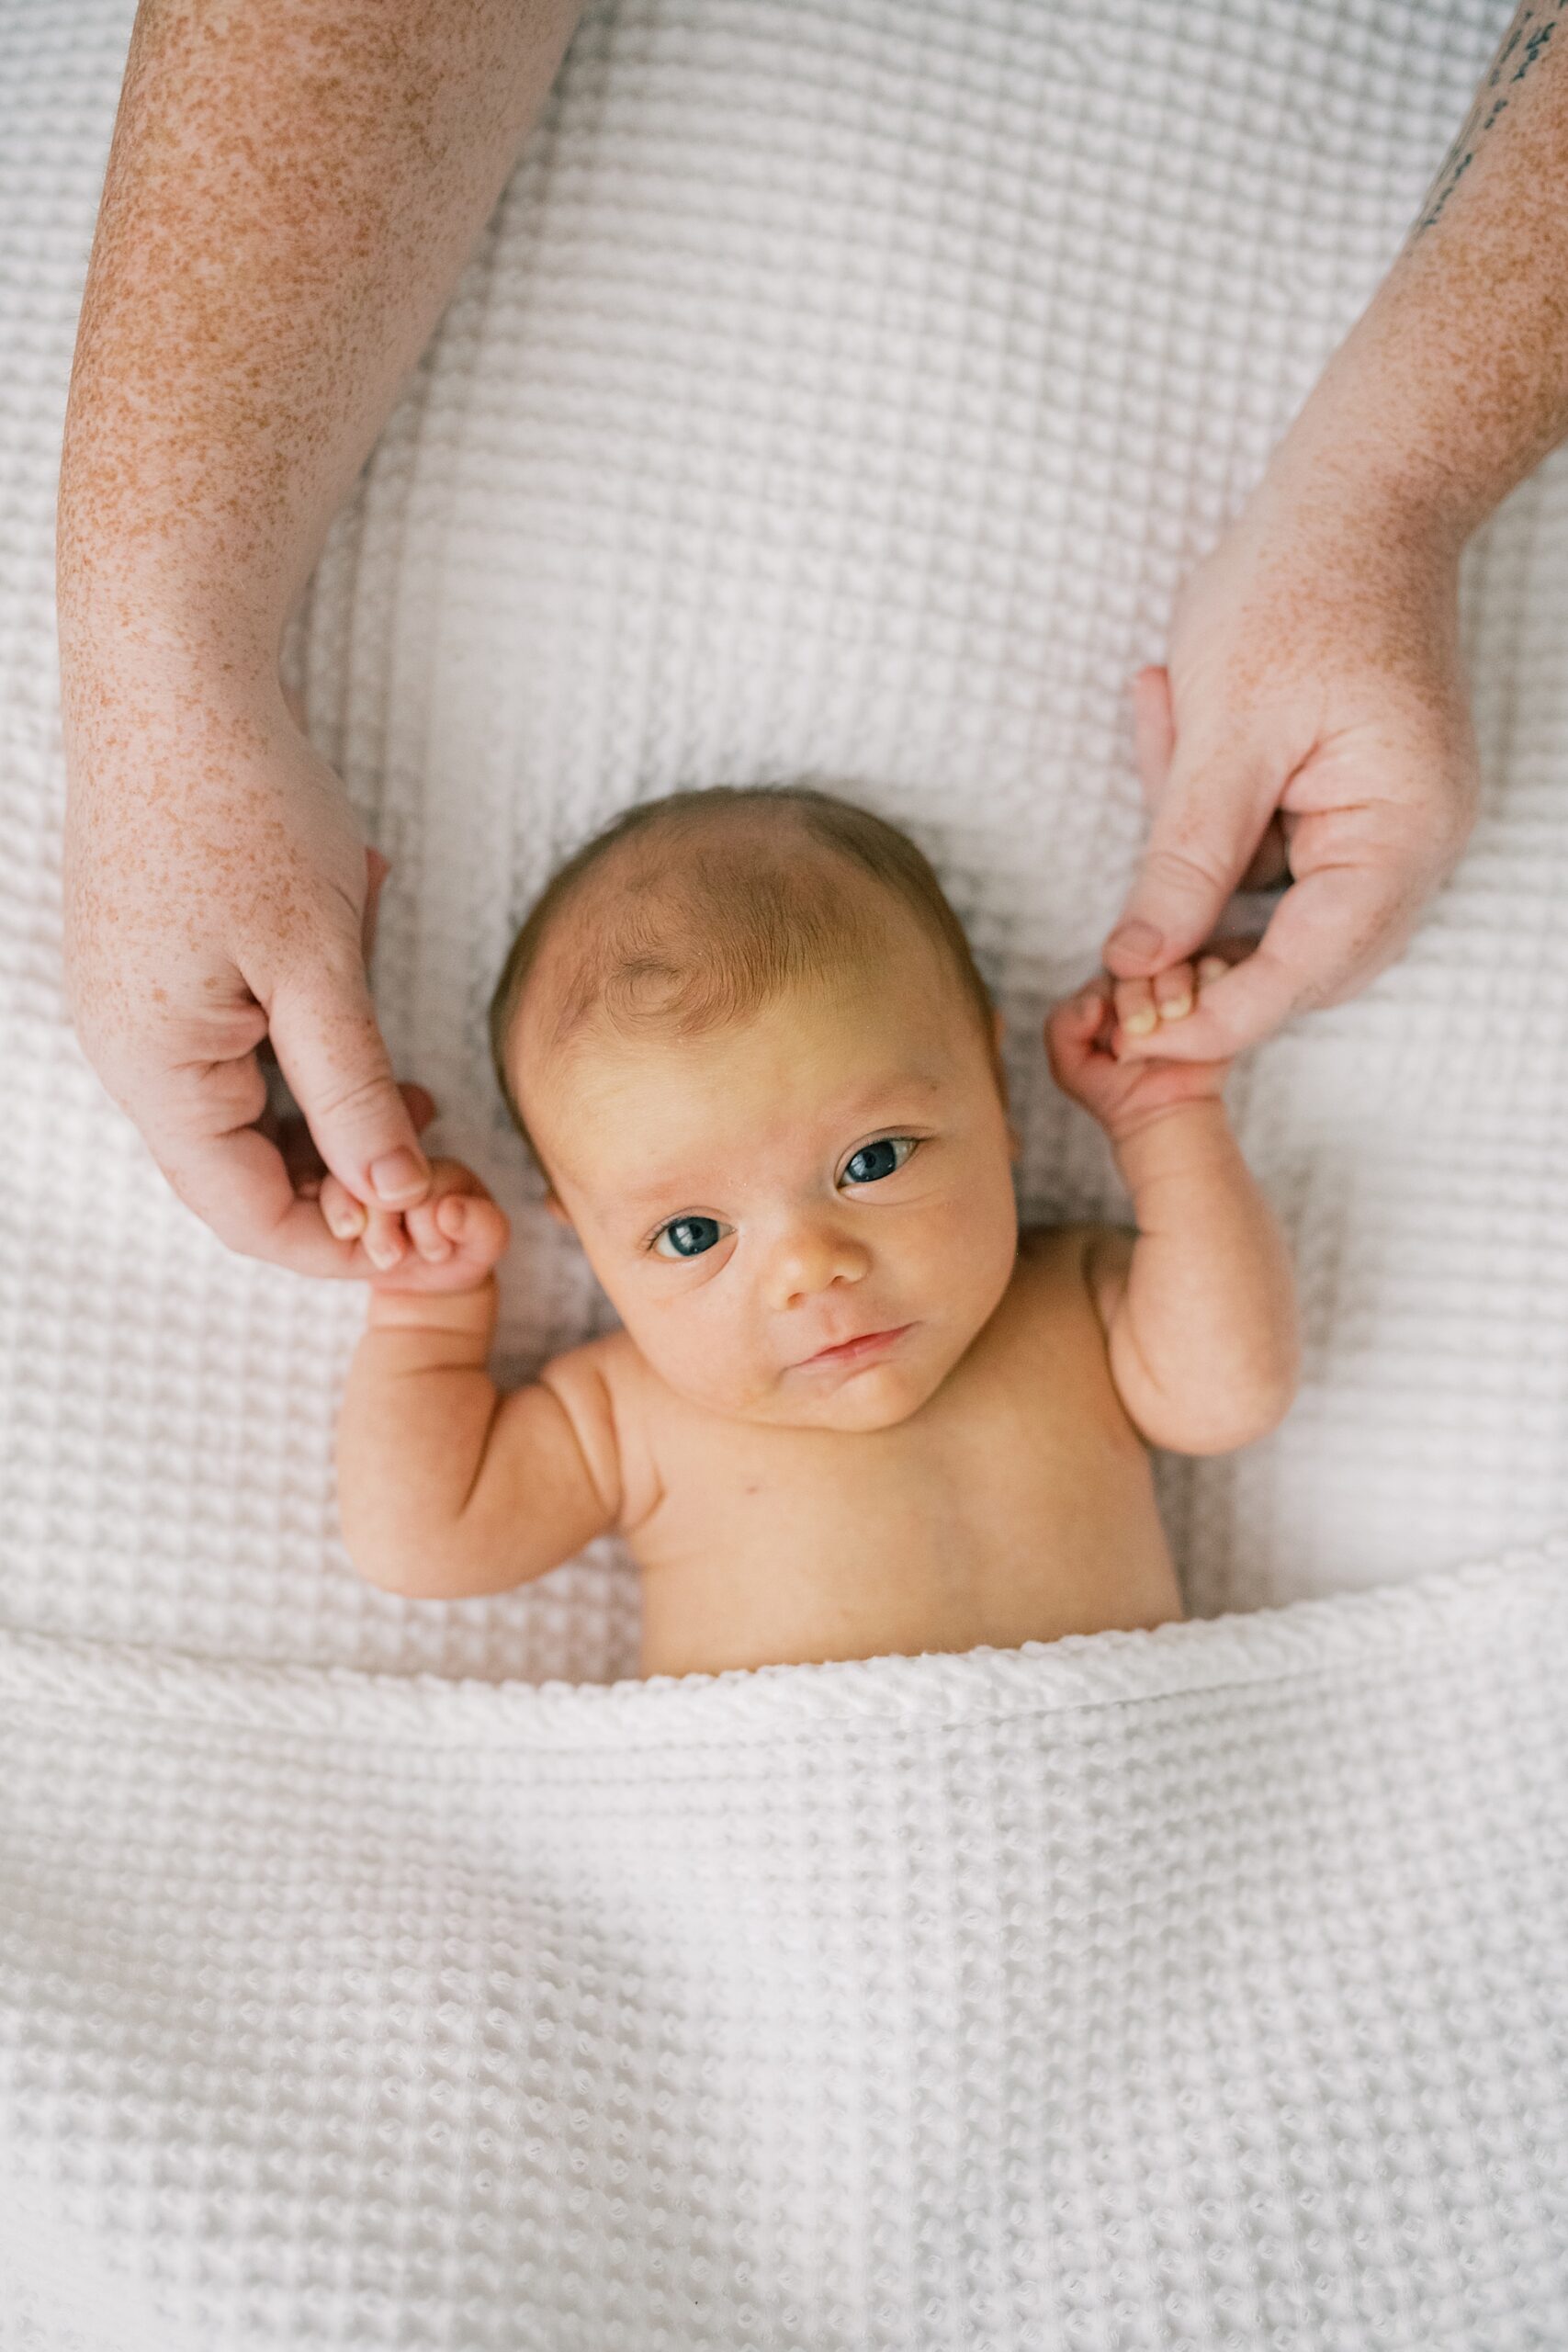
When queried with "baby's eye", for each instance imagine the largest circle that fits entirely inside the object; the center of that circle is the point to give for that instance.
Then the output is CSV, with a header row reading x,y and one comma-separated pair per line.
x,y
881,1157
690,1236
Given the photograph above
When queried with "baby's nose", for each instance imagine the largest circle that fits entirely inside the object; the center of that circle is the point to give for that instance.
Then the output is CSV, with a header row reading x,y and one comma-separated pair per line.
x,y
811,1257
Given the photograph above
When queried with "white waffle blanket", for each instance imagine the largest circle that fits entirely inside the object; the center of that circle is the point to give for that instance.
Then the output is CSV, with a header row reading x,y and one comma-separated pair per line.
x,y
842,392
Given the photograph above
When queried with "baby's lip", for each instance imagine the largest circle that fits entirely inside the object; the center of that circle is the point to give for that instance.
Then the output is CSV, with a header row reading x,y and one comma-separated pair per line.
x,y
856,1339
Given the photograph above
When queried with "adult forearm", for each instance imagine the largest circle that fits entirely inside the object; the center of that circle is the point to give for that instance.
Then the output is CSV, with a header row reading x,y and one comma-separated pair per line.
x,y
291,195
1453,383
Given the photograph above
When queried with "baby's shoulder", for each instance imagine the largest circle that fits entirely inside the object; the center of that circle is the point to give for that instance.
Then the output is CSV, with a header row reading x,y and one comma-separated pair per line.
x,y
1063,1272
1062,1303
603,1382
1060,1254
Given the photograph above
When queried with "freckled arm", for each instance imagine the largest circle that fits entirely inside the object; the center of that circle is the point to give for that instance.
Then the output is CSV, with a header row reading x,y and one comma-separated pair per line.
x,y
1453,383
291,194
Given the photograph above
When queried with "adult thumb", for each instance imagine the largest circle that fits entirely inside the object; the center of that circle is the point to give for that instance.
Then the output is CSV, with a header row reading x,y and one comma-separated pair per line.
x,y
1208,821
329,1048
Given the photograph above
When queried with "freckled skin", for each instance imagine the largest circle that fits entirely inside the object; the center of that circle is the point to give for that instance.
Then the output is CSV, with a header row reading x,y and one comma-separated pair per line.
x,y
1470,330
1313,675
291,194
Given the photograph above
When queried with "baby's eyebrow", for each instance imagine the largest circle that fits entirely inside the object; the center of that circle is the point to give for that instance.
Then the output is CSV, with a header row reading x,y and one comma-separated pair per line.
x,y
870,1098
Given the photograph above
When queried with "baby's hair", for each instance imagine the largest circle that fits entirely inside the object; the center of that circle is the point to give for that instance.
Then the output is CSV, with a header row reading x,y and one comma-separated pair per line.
x,y
690,944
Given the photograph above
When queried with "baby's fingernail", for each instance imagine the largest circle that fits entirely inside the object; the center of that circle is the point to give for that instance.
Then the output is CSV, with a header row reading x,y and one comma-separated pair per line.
x,y
384,1253
344,1222
1212,967
1139,1023
1173,1007
435,1250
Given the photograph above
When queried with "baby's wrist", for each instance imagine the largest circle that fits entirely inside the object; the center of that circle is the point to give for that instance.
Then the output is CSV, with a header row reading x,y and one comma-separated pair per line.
x,y
1177,1133
470,1309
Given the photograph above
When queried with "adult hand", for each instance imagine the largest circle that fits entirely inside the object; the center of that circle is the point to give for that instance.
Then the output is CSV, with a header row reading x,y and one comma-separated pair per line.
x,y
217,892
1312,720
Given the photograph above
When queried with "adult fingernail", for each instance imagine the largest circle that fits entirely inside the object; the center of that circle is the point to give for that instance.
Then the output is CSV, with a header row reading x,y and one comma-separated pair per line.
x,y
398,1177
1134,939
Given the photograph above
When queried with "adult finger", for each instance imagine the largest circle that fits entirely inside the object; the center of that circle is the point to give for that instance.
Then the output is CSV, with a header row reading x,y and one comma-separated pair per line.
x,y
1208,822
1332,932
304,1162
1153,731
376,870
330,1049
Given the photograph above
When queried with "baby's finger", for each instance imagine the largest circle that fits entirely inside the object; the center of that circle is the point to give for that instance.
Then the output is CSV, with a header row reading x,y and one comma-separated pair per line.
x,y
343,1214
1174,991
425,1233
479,1229
385,1243
1073,1024
1135,1007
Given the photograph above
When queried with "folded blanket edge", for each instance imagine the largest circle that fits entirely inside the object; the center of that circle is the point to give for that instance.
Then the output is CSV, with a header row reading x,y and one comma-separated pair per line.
x,y
1518,1595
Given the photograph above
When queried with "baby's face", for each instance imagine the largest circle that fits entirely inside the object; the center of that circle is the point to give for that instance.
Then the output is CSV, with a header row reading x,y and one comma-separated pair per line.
x,y
840,1164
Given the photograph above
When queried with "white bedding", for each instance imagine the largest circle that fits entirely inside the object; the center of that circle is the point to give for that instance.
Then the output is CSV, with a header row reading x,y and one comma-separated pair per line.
x,y
840,391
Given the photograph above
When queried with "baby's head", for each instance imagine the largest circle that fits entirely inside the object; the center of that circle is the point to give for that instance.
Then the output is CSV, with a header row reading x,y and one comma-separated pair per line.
x,y
744,1040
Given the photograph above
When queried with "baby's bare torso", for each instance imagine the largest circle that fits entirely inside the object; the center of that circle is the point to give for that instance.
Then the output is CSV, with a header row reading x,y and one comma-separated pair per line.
x,y
1015,1505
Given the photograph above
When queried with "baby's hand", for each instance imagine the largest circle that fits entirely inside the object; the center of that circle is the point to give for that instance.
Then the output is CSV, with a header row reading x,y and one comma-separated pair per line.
x,y
457,1232
1084,1035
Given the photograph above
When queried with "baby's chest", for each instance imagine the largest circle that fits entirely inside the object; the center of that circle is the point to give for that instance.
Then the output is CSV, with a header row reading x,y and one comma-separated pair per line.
x,y
1005,1520
1011,1447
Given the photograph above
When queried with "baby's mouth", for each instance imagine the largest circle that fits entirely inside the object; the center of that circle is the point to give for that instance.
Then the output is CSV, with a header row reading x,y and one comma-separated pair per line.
x,y
862,1350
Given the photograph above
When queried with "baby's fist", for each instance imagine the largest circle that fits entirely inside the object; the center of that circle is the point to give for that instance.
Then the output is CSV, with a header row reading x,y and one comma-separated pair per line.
x,y
459,1233
1084,1038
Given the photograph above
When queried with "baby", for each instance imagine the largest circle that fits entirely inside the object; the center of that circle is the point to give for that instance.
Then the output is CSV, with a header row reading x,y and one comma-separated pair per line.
x,y
851,1409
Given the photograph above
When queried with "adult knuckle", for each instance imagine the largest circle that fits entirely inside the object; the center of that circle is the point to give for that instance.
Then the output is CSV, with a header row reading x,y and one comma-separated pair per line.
x,y
1190,867
354,1095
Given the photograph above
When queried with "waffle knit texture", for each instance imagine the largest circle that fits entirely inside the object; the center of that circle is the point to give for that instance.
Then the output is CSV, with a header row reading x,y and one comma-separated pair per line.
x,y
839,392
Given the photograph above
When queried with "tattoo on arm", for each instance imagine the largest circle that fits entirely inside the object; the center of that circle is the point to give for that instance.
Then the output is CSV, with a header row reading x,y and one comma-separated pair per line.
x,y
1523,44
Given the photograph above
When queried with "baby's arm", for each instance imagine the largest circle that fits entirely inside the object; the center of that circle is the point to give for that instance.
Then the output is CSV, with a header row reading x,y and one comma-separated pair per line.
x,y
446,1487
1198,1305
